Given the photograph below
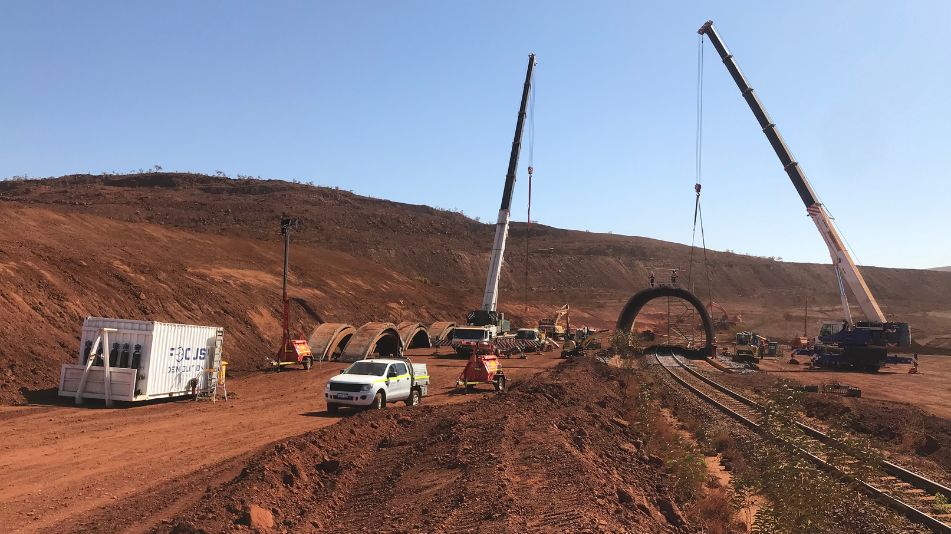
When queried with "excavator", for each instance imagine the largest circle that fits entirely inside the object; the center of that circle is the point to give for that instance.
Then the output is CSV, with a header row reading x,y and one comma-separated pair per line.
x,y
485,324
856,344
724,320
550,327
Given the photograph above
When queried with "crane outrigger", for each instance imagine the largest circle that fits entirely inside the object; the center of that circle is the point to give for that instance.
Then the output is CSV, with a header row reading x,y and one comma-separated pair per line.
x,y
876,330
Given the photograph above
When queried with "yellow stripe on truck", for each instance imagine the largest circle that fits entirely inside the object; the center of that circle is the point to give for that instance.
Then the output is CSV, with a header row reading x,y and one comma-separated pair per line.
x,y
397,378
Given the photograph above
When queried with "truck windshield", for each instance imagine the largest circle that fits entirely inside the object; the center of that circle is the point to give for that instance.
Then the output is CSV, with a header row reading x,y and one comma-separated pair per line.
x,y
366,368
468,333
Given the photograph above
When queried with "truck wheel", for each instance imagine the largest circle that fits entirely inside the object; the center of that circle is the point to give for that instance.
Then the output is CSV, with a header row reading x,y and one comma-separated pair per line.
x,y
499,384
414,398
332,408
379,402
307,363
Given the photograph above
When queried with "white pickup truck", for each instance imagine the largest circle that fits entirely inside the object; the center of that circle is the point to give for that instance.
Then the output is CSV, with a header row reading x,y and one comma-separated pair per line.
x,y
373,383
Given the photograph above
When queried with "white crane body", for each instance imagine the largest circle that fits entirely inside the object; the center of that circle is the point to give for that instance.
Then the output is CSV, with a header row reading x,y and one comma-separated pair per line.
x,y
875,331
488,315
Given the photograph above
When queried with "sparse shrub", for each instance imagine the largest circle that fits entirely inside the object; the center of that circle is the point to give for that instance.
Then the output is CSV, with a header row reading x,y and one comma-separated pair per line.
x,y
681,459
623,343
745,490
940,504
686,464
722,441
714,511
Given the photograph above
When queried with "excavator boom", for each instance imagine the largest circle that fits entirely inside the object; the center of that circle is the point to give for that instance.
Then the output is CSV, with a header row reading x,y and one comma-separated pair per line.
x,y
845,268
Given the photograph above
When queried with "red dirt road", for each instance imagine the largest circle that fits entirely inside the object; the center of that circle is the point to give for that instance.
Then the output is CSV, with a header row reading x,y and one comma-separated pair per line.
x,y
63,466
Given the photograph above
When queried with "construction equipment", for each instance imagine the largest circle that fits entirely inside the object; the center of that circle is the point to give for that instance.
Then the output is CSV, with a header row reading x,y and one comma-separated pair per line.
x,y
550,327
487,322
574,348
482,368
724,320
860,341
746,348
291,351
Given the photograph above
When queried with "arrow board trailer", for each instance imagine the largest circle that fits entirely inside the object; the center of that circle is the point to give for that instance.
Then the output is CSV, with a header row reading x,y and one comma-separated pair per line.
x,y
127,360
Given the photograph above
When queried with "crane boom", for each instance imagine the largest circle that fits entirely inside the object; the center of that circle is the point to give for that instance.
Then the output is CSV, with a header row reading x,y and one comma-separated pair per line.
x,y
845,268
490,298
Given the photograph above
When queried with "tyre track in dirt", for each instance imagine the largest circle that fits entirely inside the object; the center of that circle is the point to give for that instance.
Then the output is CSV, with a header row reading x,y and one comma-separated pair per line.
x,y
552,454
70,469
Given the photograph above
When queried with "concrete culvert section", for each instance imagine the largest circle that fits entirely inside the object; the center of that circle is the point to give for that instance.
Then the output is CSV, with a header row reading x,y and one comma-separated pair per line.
x,y
625,321
414,335
327,341
373,339
441,331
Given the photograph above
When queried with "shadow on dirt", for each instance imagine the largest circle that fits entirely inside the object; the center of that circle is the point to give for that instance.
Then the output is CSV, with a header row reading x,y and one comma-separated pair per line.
x,y
44,397
342,414
50,397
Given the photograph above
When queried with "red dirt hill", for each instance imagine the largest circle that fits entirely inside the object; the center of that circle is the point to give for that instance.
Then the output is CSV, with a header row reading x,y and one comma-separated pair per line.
x,y
200,249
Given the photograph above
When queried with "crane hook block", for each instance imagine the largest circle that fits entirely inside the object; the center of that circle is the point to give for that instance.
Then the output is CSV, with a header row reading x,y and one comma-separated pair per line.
x,y
531,169
696,188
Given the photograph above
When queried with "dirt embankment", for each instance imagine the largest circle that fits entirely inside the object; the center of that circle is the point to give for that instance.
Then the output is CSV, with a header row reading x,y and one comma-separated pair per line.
x,y
206,250
448,250
58,268
552,454
93,469
902,428
905,414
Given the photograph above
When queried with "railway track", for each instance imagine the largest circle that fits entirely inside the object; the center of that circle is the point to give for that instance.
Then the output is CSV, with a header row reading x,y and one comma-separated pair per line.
x,y
902,490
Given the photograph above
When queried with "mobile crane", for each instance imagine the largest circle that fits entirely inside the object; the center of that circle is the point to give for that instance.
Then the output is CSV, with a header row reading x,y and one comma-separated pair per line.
x,y
486,323
852,344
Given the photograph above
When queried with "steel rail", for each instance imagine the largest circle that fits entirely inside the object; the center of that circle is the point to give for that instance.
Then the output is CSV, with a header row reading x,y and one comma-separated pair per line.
x,y
893,469
900,473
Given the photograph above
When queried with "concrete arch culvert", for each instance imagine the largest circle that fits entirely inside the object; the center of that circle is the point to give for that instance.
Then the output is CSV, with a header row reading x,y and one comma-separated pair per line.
x,y
441,331
373,339
327,341
414,335
625,321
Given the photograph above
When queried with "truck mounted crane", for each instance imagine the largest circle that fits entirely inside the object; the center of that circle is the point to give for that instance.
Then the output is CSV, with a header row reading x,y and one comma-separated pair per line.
x,y
852,336
486,323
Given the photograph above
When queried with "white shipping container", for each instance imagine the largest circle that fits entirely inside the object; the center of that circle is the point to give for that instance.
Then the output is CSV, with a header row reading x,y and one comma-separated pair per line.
x,y
146,360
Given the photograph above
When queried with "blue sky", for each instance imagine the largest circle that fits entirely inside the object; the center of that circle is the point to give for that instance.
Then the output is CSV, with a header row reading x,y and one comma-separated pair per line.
x,y
416,102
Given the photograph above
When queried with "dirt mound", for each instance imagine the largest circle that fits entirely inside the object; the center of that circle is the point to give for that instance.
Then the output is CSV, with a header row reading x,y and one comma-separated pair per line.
x,y
501,464
903,428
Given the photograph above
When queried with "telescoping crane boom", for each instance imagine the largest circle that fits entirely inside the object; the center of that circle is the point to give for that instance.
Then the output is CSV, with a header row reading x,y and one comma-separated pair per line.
x,y
845,268
488,313
491,296
484,324
847,272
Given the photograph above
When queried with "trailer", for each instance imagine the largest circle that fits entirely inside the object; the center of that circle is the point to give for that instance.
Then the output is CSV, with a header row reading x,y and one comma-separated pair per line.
x,y
129,360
